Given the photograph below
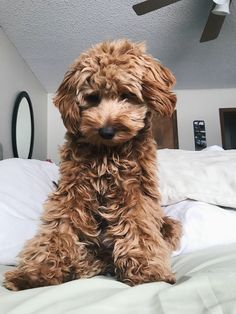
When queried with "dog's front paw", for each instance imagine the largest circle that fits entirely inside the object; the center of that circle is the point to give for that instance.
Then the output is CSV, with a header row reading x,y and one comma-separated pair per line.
x,y
137,279
17,280
169,278
135,272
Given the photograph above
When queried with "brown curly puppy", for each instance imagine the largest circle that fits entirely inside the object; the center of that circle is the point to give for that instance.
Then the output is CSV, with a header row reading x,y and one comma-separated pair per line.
x,y
105,215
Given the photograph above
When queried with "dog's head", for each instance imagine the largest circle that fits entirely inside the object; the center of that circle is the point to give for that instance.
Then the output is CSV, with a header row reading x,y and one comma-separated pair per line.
x,y
108,91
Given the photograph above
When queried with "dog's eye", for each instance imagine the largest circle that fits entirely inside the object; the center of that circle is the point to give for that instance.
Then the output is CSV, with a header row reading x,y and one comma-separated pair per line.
x,y
92,99
128,96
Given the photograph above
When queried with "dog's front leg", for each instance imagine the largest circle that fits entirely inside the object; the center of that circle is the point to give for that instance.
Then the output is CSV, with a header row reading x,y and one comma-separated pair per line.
x,y
52,258
56,254
140,253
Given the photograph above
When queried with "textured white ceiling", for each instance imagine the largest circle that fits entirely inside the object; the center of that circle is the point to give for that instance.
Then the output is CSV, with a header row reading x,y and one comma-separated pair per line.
x,y
49,34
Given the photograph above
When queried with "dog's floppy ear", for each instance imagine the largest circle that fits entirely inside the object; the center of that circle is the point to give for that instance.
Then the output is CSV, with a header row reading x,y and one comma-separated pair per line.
x,y
156,87
65,100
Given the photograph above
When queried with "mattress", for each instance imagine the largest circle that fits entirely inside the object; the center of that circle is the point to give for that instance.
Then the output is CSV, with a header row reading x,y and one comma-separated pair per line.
x,y
206,283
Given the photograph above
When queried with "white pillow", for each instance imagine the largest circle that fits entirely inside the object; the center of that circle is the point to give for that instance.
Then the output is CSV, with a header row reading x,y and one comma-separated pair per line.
x,y
213,148
204,225
207,176
24,187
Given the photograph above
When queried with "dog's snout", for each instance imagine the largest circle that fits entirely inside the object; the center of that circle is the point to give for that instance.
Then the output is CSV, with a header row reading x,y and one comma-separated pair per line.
x,y
107,132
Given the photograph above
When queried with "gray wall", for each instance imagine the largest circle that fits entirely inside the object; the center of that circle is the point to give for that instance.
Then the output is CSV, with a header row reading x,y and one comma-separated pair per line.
x,y
16,76
202,104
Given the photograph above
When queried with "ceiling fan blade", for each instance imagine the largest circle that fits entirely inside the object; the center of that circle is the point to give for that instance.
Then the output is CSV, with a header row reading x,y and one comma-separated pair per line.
x,y
151,5
212,27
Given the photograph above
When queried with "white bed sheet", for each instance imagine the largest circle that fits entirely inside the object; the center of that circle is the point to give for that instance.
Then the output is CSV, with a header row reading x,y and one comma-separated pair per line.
x,y
206,283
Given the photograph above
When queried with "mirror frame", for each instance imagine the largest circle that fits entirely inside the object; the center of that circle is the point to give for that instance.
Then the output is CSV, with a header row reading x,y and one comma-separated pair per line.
x,y
18,100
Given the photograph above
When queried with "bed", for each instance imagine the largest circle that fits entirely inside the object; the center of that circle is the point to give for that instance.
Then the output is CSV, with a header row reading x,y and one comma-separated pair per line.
x,y
198,188
206,283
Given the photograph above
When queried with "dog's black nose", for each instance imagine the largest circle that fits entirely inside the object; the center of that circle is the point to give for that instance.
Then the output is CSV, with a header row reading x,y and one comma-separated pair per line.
x,y
107,132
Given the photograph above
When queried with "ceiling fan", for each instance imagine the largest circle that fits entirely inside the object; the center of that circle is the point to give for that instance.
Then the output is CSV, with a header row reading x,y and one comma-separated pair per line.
x,y
214,22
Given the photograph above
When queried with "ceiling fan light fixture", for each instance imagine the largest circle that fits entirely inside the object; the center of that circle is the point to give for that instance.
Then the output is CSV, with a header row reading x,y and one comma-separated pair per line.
x,y
222,7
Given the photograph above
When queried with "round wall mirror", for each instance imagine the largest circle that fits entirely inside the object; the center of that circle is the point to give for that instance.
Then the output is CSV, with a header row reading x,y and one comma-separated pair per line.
x,y
23,127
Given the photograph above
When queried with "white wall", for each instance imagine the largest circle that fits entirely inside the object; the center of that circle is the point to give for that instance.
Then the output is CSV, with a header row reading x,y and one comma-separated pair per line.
x,y
191,105
202,104
16,76
56,131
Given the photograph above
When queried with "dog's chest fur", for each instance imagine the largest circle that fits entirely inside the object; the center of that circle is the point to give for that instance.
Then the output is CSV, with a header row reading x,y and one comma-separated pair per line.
x,y
111,178
108,182
111,181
